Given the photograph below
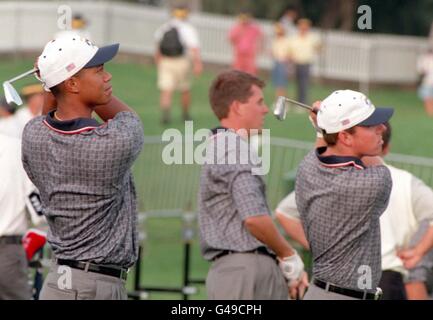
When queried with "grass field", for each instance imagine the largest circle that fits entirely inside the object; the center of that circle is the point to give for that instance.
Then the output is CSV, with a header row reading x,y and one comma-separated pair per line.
x,y
135,84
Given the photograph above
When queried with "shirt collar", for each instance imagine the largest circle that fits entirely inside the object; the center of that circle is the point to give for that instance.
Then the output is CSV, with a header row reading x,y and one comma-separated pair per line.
x,y
338,161
73,126
219,129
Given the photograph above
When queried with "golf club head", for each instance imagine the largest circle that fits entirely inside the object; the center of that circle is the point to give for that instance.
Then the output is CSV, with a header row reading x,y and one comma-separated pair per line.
x,y
11,94
280,108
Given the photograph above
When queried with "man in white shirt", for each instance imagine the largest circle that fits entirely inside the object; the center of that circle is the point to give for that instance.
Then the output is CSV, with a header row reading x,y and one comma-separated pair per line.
x,y
177,46
411,201
15,193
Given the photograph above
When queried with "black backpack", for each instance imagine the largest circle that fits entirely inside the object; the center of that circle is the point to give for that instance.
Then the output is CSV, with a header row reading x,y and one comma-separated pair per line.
x,y
170,44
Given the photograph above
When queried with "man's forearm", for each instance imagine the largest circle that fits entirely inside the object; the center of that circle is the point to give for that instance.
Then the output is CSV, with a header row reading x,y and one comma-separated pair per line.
x,y
264,229
416,291
108,111
294,229
426,242
196,60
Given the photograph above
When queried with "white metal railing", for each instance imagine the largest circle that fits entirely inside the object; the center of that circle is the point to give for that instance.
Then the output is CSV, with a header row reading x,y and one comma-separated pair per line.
x,y
28,25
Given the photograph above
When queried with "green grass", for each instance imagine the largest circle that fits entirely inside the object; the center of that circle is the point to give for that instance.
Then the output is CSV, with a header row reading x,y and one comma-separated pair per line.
x,y
166,187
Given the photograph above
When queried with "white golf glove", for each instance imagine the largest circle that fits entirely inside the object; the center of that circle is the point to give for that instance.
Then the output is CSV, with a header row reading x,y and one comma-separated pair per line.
x,y
292,267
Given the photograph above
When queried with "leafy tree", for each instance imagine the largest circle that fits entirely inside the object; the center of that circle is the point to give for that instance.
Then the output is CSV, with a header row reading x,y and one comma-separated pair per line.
x,y
407,17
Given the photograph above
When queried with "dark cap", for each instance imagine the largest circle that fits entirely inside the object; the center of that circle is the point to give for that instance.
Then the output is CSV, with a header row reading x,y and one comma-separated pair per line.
x,y
380,115
103,55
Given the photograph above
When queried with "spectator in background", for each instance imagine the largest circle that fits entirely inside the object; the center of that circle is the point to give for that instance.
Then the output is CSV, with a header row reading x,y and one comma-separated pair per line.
x,y
280,56
78,27
33,96
288,20
8,124
6,110
425,91
177,46
17,196
246,39
303,49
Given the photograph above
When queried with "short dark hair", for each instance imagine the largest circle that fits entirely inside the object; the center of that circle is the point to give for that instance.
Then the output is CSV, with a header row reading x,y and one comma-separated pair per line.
x,y
288,8
57,90
291,7
332,138
229,86
386,135
9,107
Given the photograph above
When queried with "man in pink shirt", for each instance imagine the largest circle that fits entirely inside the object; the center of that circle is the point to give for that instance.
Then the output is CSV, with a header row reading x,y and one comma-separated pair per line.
x,y
245,37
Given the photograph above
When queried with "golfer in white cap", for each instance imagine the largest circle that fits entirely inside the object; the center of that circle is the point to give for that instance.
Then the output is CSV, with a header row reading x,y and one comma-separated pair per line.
x,y
340,196
82,170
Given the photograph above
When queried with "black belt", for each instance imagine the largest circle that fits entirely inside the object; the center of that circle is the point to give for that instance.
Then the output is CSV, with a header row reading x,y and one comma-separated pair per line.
x,y
117,272
259,250
11,240
363,295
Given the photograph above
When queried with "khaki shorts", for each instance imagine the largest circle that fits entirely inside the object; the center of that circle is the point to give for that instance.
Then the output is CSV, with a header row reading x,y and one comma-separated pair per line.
x,y
174,74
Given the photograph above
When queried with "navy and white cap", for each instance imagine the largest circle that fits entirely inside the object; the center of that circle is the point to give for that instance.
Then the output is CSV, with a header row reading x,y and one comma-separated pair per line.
x,y
65,56
344,109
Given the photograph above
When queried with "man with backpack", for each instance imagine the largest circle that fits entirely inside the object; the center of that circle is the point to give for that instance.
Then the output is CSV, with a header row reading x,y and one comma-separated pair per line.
x,y
177,48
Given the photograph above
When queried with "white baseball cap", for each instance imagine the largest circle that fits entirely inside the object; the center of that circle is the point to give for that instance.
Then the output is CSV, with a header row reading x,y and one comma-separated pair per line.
x,y
344,109
65,56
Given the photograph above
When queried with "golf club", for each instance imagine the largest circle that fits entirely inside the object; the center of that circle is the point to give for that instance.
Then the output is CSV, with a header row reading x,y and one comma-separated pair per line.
x,y
282,104
11,94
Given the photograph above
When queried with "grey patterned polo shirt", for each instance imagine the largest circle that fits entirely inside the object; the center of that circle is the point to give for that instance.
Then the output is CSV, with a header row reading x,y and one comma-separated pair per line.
x,y
229,193
340,202
82,170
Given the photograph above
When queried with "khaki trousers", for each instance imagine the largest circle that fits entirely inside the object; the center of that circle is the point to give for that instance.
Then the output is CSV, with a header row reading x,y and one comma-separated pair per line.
x,y
66,283
246,276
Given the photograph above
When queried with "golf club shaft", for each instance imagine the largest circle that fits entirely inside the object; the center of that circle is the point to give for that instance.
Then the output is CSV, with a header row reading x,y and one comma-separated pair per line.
x,y
25,74
299,104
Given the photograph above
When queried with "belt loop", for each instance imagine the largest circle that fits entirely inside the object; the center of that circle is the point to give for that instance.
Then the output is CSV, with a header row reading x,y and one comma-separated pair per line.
x,y
124,273
86,267
327,286
364,296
